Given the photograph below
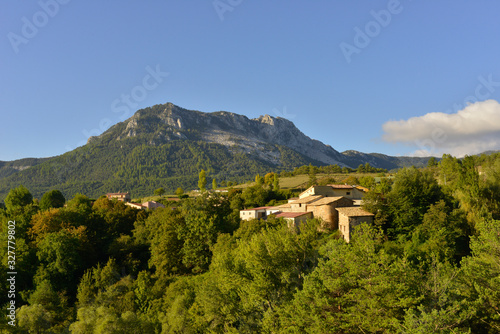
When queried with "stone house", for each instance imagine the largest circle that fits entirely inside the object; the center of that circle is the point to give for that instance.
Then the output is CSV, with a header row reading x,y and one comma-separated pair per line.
x,y
294,219
300,205
124,197
272,210
335,190
317,206
145,205
324,208
134,205
317,190
320,206
256,213
152,205
350,217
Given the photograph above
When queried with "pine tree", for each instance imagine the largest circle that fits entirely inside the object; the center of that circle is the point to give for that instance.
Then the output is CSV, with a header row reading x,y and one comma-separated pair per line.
x,y
276,183
312,176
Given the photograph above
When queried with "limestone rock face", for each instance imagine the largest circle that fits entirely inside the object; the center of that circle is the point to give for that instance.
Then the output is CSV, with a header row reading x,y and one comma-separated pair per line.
x,y
162,123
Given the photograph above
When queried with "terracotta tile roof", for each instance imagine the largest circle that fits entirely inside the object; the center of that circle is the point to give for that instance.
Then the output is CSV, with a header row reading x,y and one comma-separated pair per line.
x,y
354,212
291,214
283,206
327,200
363,189
307,200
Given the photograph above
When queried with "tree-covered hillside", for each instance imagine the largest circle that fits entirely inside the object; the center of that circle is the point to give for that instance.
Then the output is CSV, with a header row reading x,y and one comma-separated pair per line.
x,y
430,263
11,167
134,165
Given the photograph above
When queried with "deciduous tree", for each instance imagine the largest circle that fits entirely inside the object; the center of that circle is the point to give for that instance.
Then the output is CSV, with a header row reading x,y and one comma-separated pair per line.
x,y
18,197
52,199
159,192
179,192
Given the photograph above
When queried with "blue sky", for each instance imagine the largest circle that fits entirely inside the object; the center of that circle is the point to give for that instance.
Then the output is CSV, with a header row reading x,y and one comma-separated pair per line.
x,y
375,76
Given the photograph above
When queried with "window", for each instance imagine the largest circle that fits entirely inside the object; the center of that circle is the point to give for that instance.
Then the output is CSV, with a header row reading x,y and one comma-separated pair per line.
x,y
348,193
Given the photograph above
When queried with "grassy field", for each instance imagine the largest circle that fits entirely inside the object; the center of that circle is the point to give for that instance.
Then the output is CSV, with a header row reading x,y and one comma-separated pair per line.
x,y
298,182
286,182
152,198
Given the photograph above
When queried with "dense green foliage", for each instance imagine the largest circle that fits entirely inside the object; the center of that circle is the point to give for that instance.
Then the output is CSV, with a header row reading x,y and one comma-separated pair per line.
x,y
52,199
429,264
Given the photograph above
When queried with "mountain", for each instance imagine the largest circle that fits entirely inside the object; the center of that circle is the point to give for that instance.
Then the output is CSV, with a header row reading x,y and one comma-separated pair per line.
x,y
488,152
11,167
161,124
354,158
166,146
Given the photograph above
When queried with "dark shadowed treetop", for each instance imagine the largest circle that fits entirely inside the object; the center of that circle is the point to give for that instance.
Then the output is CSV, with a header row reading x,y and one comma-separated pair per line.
x,y
52,199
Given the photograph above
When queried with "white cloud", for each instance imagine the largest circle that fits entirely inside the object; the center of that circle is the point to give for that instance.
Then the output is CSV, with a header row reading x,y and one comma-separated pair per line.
x,y
474,129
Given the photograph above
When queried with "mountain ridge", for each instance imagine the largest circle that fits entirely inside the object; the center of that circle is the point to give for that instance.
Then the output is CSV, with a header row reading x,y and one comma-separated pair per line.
x,y
225,128
166,145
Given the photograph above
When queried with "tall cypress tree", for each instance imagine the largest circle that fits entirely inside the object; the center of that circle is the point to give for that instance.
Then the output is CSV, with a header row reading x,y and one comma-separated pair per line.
x,y
202,182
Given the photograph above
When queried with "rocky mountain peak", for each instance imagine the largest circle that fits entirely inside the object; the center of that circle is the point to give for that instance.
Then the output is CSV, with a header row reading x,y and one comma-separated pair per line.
x,y
266,119
166,122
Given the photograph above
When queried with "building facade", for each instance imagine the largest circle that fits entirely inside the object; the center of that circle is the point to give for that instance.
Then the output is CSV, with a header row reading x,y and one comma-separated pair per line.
x,y
335,190
124,197
351,217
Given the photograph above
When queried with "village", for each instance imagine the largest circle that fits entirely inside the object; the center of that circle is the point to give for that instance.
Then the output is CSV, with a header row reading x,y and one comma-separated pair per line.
x,y
338,206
